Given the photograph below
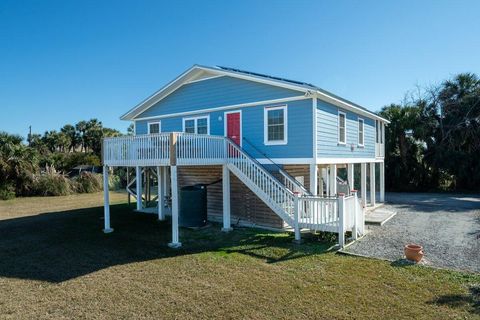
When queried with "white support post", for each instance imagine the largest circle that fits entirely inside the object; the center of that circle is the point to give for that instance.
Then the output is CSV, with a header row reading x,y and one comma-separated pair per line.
x,y
382,181
363,184
341,220
333,180
296,215
327,180
175,232
350,175
106,202
355,217
161,194
313,179
226,198
320,181
138,191
372,183
166,186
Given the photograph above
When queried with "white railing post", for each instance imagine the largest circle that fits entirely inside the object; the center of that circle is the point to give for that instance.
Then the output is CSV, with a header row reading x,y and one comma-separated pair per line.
x,y
296,217
341,219
355,213
106,202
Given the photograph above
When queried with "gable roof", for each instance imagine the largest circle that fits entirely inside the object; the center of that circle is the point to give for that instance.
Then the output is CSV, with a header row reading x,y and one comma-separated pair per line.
x,y
197,72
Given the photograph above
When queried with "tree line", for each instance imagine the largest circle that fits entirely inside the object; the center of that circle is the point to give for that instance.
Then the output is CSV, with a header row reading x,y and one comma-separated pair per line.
x,y
41,164
84,136
433,140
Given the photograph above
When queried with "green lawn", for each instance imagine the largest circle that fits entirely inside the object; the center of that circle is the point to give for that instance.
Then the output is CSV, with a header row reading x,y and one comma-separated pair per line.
x,y
56,263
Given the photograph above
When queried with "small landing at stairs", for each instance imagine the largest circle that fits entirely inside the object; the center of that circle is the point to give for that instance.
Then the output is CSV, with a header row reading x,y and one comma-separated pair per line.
x,y
378,216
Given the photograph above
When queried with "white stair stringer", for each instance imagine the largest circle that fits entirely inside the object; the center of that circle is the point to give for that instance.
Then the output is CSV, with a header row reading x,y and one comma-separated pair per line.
x,y
271,203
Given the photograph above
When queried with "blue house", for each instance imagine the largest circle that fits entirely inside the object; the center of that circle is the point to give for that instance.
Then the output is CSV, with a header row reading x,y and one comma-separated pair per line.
x,y
278,146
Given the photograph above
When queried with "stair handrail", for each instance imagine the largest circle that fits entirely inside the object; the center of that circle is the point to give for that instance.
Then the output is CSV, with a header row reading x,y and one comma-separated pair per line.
x,y
247,155
285,174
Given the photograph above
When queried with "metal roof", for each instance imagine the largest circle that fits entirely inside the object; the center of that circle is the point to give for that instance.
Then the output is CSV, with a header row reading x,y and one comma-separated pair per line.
x,y
306,85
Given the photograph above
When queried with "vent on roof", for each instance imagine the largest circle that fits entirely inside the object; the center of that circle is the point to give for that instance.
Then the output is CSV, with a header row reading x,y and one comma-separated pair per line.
x,y
266,76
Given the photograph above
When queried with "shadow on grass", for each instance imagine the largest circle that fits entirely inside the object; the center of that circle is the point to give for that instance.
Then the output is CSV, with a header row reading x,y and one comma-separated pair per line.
x,y
59,246
402,263
470,300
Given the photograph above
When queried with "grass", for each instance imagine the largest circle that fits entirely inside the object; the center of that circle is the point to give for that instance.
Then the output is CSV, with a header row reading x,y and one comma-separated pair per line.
x,y
56,263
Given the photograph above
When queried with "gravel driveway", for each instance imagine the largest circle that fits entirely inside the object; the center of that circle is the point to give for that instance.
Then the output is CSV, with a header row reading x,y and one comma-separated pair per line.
x,y
447,225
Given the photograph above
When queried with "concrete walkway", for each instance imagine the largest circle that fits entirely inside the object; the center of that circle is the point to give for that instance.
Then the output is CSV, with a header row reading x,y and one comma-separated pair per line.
x,y
447,225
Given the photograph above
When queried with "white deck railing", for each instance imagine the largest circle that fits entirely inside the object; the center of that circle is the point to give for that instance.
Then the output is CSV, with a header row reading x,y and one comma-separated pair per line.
x,y
142,150
200,149
318,213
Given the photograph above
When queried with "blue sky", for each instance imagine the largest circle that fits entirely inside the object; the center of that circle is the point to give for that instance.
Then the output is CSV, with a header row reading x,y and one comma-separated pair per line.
x,y
64,61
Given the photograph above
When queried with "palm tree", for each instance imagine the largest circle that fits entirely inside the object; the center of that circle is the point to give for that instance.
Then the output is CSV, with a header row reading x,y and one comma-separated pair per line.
x,y
18,162
73,135
81,127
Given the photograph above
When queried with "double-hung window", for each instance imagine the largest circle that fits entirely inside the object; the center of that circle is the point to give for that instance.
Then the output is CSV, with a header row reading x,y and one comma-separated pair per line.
x,y
361,135
199,125
275,125
342,129
154,127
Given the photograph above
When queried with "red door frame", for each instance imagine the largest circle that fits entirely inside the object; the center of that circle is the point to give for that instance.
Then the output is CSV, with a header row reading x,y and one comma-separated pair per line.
x,y
225,117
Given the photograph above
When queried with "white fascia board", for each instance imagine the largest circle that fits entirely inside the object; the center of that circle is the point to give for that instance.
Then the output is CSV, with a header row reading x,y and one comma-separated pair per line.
x,y
346,160
339,103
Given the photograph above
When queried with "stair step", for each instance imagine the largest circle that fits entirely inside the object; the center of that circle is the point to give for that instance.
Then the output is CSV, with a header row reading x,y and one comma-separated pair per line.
x,y
379,216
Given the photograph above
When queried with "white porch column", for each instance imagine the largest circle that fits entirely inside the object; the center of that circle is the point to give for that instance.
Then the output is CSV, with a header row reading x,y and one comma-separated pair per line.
x,y
226,198
333,179
372,183
161,194
363,183
350,174
327,180
314,179
320,181
174,183
138,191
382,181
106,202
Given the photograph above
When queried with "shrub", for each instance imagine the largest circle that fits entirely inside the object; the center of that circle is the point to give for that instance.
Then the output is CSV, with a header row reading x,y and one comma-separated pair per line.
x,y
7,192
114,182
66,161
52,184
87,182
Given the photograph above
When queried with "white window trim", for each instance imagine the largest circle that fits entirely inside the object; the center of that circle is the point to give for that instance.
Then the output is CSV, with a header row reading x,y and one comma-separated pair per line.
x,y
225,124
195,119
338,128
154,122
285,126
363,132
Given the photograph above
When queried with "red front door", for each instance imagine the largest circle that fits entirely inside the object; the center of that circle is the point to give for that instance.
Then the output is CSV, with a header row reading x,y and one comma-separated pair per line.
x,y
233,127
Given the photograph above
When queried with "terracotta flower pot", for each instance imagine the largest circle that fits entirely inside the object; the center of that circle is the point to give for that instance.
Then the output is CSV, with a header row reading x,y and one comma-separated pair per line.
x,y
413,252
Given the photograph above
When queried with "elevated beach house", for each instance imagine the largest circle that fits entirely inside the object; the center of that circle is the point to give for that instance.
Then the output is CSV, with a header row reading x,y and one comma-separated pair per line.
x,y
276,148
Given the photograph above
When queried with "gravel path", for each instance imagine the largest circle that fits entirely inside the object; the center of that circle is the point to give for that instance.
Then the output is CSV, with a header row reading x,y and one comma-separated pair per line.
x,y
447,225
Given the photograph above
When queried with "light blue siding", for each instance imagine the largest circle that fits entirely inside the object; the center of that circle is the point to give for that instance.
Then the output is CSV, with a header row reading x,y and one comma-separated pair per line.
x,y
327,134
299,113
216,92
